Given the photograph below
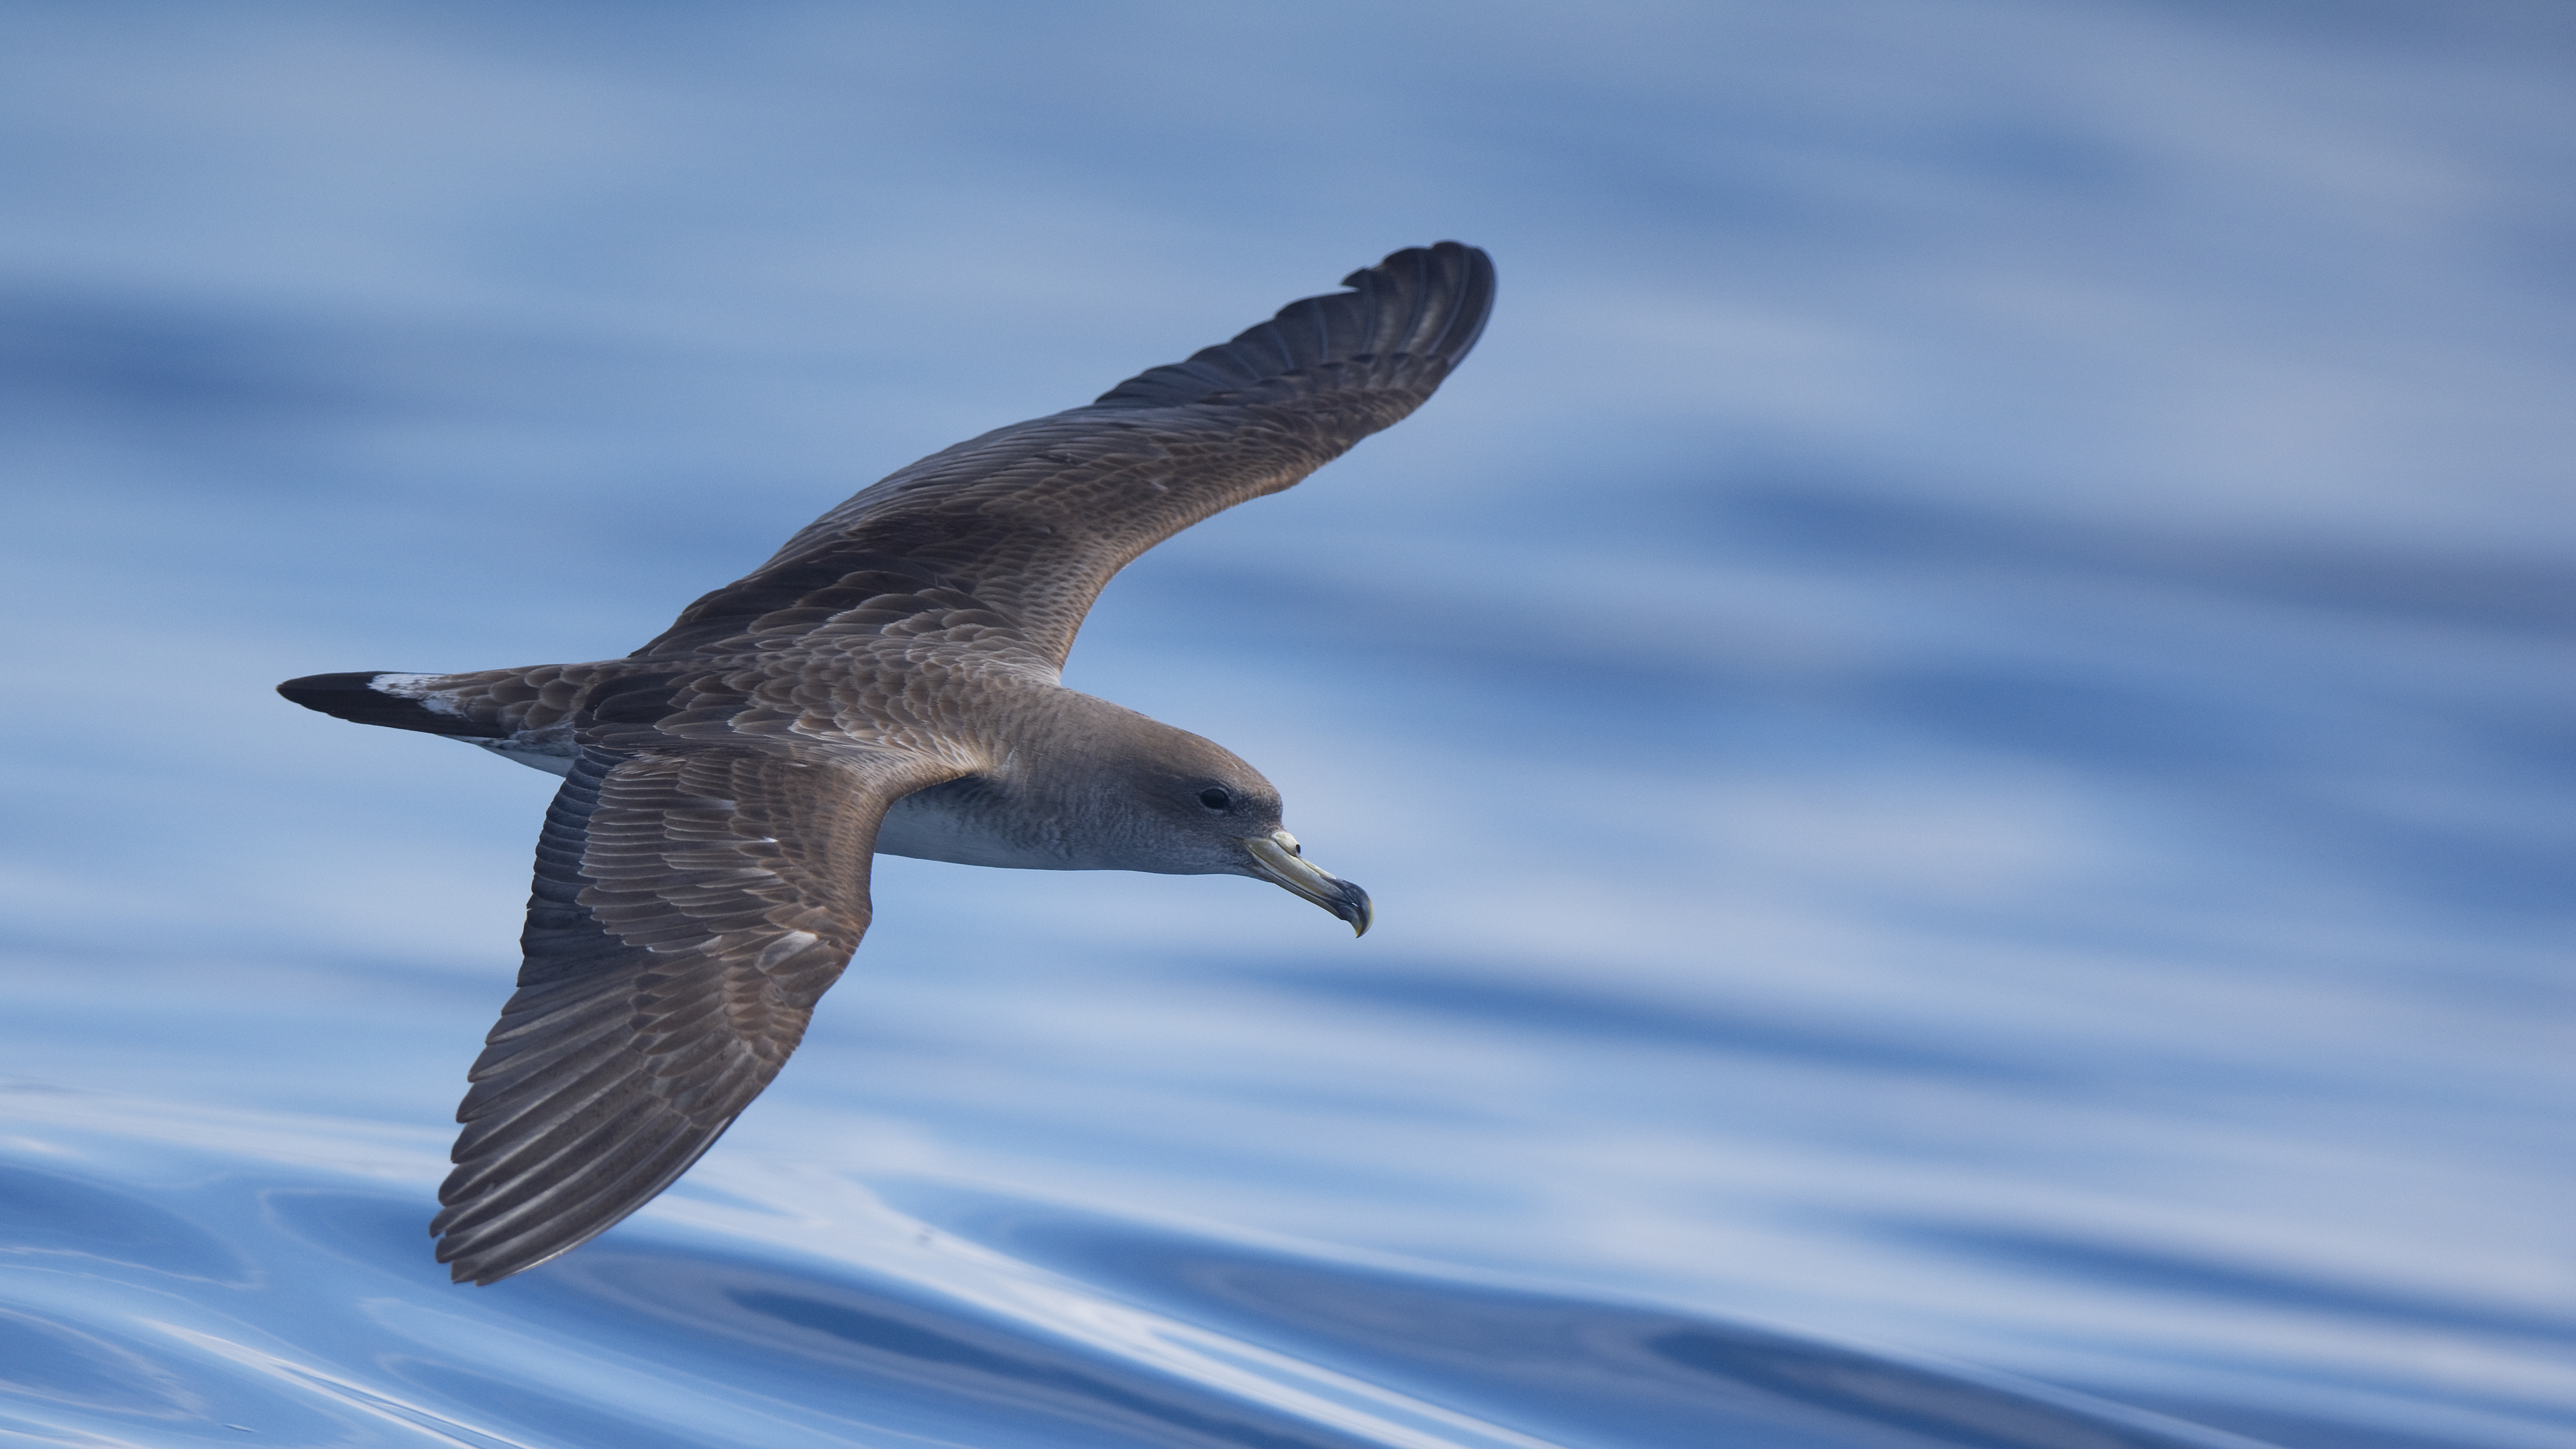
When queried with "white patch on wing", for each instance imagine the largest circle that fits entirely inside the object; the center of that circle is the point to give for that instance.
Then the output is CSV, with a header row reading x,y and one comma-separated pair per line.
x,y
416,687
784,947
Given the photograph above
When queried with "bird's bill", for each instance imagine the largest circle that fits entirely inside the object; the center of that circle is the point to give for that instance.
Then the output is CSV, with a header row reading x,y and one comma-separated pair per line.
x,y
1275,859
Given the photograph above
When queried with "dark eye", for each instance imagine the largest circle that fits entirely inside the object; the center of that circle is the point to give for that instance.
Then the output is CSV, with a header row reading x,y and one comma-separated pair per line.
x,y
1215,798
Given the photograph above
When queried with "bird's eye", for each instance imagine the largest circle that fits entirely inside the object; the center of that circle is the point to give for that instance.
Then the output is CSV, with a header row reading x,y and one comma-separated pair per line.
x,y
1216,798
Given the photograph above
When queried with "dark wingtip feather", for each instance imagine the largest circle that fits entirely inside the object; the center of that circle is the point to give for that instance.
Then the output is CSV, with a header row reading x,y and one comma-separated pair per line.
x,y
1406,322
571,1207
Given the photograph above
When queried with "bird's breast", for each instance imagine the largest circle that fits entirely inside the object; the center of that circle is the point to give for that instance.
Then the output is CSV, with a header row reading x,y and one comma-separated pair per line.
x,y
960,822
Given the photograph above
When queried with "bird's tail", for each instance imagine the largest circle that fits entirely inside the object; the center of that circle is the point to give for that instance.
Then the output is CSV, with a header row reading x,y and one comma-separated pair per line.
x,y
396,701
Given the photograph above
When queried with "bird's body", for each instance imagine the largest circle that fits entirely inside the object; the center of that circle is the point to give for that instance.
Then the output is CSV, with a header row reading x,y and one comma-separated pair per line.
x,y
887,682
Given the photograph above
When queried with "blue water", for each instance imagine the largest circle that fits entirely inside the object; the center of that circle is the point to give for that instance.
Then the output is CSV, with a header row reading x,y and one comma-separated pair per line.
x,y
1961,723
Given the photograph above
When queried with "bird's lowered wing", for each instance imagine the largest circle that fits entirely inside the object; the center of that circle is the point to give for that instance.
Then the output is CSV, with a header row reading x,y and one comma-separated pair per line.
x,y
1018,530
689,909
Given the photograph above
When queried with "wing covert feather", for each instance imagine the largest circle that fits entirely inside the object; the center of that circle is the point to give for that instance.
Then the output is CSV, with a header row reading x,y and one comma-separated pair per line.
x,y
689,908
1018,530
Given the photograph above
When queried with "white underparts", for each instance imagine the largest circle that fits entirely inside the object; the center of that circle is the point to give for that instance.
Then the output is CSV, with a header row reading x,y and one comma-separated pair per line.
x,y
927,825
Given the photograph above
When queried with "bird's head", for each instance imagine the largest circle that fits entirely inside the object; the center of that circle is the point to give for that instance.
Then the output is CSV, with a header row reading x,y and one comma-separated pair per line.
x,y
1164,800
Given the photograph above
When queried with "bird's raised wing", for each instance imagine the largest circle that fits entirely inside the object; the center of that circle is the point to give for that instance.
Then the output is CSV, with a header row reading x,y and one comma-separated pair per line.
x,y
1018,530
689,909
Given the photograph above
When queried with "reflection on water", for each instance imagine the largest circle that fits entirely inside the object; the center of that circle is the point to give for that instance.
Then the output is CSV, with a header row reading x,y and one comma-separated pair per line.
x,y
1961,723
1058,1328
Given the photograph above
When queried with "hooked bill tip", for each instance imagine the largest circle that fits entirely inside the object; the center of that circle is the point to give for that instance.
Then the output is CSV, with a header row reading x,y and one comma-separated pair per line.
x,y
1354,906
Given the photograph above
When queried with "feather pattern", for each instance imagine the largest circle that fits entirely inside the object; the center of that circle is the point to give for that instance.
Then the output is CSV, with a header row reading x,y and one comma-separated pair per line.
x,y
1021,528
689,909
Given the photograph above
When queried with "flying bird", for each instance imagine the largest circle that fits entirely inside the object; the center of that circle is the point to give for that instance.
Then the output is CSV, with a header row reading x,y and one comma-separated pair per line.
x,y
888,681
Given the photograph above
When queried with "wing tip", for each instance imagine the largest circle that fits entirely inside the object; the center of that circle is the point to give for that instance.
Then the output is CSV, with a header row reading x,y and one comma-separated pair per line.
x,y
1406,322
567,1210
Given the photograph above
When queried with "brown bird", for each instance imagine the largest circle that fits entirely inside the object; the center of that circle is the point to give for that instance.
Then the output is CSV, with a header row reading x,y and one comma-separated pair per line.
x,y
889,681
